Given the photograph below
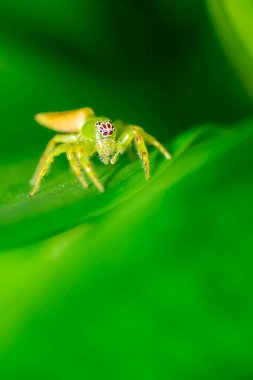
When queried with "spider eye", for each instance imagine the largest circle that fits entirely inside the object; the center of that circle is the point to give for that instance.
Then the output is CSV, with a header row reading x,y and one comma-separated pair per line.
x,y
98,123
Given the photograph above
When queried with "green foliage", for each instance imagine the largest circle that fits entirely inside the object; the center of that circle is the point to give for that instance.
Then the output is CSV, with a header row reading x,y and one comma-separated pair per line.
x,y
137,279
62,203
233,20
149,280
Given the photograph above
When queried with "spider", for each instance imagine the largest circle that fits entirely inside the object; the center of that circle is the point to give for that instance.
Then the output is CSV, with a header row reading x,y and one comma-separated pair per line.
x,y
82,135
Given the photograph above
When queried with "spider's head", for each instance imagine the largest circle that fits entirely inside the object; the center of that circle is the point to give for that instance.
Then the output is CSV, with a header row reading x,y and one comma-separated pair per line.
x,y
105,138
105,128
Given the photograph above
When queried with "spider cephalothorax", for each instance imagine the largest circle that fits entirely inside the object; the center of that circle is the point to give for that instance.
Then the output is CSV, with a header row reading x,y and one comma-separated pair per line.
x,y
83,134
105,128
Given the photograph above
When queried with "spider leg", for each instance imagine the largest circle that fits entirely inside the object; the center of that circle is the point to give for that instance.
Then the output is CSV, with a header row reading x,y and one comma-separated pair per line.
x,y
87,167
152,141
123,143
133,132
46,165
125,140
142,152
76,167
49,149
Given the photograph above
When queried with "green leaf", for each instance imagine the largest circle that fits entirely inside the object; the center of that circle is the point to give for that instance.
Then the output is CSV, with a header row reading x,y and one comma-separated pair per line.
x,y
62,203
141,282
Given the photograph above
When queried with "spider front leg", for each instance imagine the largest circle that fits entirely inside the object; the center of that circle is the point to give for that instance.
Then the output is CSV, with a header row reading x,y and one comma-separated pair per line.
x,y
87,167
142,152
123,143
133,132
152,141
49,149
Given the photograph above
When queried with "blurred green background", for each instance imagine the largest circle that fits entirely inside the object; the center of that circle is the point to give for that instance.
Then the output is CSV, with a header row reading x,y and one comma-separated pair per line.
x,y
148,280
